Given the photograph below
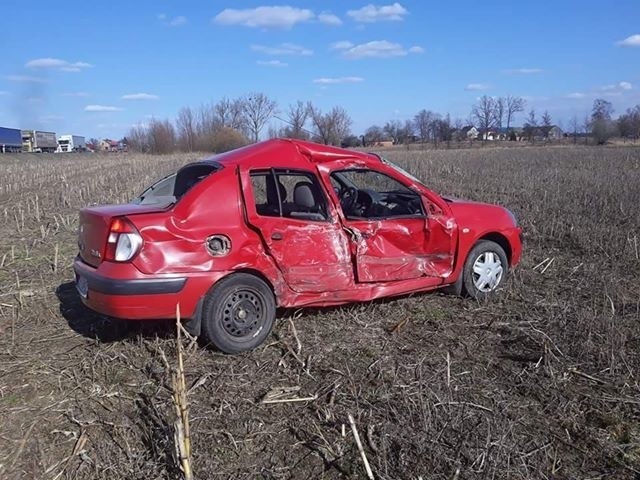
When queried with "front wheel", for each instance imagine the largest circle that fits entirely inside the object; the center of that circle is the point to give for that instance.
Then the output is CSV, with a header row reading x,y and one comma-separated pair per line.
x,y
238,313
485,269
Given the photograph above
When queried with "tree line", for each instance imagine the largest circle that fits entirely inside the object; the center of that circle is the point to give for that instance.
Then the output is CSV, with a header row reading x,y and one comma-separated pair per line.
x,y
231,123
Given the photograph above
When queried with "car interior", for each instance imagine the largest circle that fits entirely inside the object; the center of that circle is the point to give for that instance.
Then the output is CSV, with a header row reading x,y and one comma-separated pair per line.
x,y
366,194
288,194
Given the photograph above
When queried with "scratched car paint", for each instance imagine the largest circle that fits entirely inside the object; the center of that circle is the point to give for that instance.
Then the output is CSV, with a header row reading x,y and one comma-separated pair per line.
x,y
284,223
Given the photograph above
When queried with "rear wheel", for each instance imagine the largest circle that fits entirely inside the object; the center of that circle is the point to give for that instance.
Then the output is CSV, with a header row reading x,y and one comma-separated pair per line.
x,y
485,270
238,313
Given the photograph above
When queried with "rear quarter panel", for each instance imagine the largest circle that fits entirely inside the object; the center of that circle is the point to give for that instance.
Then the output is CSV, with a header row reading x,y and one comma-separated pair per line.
x,y
175,241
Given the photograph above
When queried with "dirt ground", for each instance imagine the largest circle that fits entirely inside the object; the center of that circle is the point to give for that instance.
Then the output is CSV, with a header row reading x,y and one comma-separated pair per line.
x,y
542,383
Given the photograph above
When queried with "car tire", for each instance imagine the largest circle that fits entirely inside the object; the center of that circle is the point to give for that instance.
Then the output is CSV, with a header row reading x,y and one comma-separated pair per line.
x,y
485,270
238,313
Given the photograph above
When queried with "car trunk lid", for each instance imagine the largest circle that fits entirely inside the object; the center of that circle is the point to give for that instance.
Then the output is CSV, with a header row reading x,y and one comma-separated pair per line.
x,y
95,222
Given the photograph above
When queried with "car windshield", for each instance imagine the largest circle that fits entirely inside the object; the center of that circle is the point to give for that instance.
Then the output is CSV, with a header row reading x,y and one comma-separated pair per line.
x,y
173,187
401,170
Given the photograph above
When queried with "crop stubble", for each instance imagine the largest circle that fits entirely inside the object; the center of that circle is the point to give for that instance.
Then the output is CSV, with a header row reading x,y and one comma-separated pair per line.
x,y
541,383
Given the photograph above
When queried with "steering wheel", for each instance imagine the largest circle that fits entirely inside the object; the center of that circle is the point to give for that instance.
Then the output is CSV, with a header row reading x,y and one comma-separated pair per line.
x,y
348,199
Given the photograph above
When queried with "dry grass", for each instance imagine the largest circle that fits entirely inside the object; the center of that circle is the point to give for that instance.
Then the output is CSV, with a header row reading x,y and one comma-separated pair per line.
x,y
542,383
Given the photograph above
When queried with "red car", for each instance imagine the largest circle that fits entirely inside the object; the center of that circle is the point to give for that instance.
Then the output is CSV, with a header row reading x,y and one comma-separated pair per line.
x,y
284,223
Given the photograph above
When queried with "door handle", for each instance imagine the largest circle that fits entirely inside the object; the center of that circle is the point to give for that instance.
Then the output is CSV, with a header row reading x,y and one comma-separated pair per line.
x,y
276,236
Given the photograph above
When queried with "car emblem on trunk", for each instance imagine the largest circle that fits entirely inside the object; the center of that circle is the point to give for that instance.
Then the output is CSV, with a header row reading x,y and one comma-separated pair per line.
x,y
95,253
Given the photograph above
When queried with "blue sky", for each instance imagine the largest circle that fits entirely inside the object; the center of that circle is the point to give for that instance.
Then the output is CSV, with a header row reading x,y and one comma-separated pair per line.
x,y
97,68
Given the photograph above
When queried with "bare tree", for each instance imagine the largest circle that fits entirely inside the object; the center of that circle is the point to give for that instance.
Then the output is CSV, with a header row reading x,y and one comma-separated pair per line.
x,y
393,129
422,123
602,110
161,136
407,132
297,116
186,127
237,120
205,123
575,126
138,139
332,127
629,123
531,125
547,123
513,105
484,114
373,135
258,109
500,111
602,127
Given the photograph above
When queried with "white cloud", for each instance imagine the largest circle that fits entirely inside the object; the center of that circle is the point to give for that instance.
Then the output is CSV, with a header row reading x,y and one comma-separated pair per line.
x,y
178,21
139,96
282,49
416,49
374,13
576,95
631,41
375,49
616,88
476,87
57,64
25,79
525,71
75,94
329,18
272,63
341,45
101,108
337,80
264,17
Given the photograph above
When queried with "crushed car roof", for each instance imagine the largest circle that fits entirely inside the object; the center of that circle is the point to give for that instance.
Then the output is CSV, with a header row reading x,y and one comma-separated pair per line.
x,y
282,152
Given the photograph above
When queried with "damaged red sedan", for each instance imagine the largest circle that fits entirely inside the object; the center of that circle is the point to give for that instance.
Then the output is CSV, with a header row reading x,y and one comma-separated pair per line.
x,y
284,223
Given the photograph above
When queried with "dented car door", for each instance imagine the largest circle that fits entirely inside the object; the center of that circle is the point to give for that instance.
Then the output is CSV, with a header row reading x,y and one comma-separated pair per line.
x,y
299,229
396,233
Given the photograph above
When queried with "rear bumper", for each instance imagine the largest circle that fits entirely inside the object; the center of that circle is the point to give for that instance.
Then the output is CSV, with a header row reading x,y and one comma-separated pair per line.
x,y
122,291
119,286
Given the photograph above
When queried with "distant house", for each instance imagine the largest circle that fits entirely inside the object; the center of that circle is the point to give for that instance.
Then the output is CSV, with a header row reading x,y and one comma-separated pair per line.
x,y
107,145
550,132
554,133
469,132
491,135
383,143
502,133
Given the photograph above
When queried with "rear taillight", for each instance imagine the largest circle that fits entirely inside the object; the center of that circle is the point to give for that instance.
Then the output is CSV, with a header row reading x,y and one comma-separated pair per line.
x,y
123,242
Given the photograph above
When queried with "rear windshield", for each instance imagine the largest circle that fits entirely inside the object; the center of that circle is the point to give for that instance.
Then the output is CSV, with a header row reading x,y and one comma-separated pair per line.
x,y
173,187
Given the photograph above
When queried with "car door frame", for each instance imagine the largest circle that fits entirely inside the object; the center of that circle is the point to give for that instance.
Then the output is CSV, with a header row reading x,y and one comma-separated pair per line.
x,y
316,269
434,266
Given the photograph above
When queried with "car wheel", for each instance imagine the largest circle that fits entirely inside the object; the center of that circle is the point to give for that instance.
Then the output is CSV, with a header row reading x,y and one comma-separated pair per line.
x,y
485,270
238,313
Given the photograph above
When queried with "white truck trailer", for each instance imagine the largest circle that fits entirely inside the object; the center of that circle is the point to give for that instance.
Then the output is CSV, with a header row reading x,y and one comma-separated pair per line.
x,y
39,142
71,143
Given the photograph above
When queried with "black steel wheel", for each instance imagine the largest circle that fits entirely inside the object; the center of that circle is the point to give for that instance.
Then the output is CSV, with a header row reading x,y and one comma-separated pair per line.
x,y
238,313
